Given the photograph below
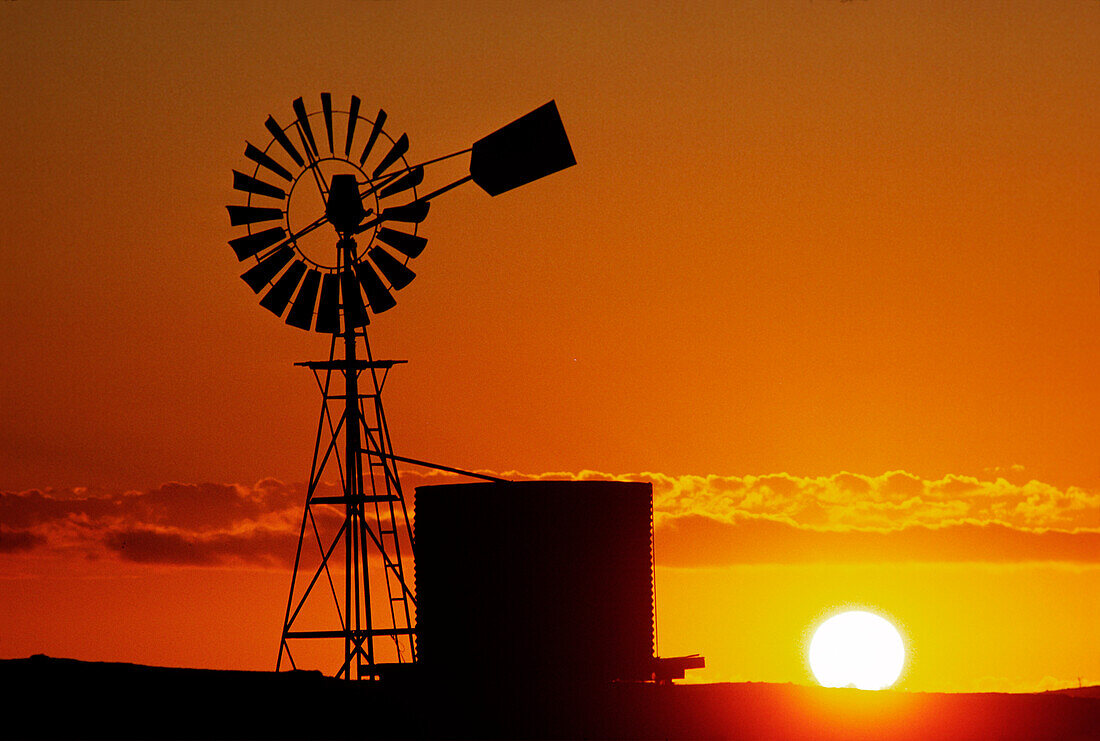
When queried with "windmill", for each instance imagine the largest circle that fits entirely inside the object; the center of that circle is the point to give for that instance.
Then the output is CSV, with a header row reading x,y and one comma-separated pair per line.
x,y
332,214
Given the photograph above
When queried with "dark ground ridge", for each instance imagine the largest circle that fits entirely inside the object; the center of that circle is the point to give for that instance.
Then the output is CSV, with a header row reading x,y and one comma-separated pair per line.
x,y
46,697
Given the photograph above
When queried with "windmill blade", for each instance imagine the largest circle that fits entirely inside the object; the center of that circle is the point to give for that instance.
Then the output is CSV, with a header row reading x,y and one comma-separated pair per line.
x,y
252,244
303,124
353,116
326,106
250,184
411,179
277,132
328,309
529,148
355,313
396,152
395,271
301,312
374,132
278,297
407,244
264,160
377,294
239,215
412,213
260,274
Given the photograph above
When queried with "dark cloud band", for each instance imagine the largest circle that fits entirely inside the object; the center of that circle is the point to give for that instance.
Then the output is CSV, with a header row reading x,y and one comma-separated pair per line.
x,y
701,520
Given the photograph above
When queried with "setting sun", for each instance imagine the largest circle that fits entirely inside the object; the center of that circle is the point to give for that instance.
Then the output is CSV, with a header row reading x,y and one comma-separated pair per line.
x,y
857,649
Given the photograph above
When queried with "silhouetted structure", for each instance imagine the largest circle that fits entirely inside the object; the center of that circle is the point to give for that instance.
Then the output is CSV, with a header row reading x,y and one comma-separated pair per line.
x,y
546,580
362,187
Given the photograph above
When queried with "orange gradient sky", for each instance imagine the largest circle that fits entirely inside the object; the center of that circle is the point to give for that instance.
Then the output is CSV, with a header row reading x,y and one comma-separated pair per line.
x,y
826,273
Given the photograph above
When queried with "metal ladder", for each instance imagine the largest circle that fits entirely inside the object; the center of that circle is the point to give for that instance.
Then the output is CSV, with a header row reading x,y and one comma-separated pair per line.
x,y
386,498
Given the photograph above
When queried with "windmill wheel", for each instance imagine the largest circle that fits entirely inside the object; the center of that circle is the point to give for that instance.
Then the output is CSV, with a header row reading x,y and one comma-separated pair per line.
x,y
331,214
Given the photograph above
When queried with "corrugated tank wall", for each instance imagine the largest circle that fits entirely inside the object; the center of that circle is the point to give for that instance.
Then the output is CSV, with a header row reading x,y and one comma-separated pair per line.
x,y
548,579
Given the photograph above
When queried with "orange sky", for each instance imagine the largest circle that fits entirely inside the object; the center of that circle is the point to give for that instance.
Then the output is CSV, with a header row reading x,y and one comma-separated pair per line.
x,y
806,245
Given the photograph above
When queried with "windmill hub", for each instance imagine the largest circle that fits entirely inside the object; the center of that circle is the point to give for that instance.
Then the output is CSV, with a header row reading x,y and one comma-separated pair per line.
x,y
345,206
307,202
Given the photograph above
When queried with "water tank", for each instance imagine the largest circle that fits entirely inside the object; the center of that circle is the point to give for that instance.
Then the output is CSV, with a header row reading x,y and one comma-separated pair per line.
x,y
547,580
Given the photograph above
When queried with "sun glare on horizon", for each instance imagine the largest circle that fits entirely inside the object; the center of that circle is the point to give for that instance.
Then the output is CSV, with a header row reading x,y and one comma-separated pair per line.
x,y
857,649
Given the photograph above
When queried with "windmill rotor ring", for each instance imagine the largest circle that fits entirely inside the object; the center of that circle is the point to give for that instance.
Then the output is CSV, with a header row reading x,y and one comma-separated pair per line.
x,y
304,268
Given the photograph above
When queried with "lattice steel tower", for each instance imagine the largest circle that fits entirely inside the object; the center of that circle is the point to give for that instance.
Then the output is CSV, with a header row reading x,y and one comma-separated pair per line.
x,y
332,224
